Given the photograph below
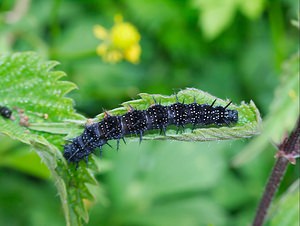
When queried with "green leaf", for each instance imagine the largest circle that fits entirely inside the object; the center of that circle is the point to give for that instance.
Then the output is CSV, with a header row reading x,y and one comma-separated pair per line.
x,y
296,23
286,211
31,89
247,126
283,113
215,16
252,9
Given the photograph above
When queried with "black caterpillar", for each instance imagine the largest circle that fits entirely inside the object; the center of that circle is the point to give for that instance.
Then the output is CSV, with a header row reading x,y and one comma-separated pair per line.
x,y
5,112
137,122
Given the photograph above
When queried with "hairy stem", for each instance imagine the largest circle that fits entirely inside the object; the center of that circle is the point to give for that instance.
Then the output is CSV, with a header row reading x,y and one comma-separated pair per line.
x,y
288,150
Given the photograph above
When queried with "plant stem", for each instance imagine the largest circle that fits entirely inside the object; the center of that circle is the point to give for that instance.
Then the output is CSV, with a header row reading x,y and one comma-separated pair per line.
x,y
288,149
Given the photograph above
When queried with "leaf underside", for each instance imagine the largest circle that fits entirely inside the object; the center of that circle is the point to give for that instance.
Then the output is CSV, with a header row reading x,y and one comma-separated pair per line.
x,y
247,126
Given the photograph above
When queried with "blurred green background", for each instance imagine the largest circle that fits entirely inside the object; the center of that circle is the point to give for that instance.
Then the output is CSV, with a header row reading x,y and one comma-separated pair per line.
x,y
231,49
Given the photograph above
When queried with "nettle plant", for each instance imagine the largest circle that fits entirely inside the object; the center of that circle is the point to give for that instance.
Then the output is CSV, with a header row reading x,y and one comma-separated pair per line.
x,y
35,111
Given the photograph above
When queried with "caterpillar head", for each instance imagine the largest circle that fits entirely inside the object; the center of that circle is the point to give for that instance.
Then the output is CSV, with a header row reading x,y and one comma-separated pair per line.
x,y
77,150
74,153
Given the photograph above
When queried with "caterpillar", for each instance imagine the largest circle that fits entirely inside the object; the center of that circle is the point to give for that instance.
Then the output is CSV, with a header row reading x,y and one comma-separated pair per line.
x,y
156,117
5,112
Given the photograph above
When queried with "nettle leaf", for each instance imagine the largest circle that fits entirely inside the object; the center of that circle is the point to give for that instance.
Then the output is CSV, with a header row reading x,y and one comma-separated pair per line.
x,y
247,126
36,96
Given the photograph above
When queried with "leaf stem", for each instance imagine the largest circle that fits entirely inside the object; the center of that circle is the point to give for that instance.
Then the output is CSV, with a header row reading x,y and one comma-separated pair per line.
x,y
288,150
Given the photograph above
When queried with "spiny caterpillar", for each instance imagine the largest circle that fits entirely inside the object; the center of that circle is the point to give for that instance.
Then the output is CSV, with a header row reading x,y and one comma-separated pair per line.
x,y
156,117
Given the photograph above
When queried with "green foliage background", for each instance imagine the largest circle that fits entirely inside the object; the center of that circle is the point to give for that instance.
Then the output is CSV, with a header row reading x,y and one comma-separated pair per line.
x,y
231,49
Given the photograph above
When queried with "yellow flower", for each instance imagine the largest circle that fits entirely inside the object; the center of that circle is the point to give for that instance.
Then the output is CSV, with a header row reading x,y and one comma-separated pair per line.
x,y
101,49
124,35
132,54
100,32
113,56
120,42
